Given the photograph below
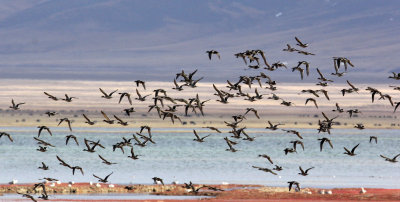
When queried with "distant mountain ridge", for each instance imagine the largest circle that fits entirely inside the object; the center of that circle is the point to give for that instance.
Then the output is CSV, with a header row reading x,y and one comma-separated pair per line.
x,y
108,39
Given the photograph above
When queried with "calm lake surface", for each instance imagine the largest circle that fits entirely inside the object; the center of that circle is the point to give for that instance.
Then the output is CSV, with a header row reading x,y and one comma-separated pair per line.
x,y
176,157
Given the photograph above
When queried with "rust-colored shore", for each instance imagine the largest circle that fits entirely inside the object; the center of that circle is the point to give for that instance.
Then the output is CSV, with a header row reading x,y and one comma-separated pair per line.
x,y
233,192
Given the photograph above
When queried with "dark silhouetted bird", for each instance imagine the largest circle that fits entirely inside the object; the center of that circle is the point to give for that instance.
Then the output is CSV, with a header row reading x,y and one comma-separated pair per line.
x,y
301,44
265,170
68,98
125,95
43,167
392,160
322,142
49,113
140,82
291,183
312,100
273,127
105,95
103,180
67,121
158,180
68,137
213,52
304,173
107,120
44,128
350,153
88,121
198,139
51,96
128,111
15,106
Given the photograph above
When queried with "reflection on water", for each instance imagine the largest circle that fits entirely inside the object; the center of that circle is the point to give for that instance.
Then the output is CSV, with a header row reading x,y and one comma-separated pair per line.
x,y
176,157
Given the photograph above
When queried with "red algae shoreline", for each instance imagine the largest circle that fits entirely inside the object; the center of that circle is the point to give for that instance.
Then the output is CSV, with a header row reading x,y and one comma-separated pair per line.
x,y
232,192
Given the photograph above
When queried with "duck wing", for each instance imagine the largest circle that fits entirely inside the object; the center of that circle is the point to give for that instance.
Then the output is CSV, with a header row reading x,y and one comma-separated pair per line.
x,y
105,116
354,148
102,91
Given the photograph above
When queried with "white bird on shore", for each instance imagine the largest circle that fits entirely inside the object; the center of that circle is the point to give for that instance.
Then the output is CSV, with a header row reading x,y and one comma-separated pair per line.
x,y
14,181
363,191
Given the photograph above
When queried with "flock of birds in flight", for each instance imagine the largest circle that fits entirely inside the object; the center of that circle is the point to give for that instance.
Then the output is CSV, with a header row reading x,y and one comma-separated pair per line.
x,y
252,58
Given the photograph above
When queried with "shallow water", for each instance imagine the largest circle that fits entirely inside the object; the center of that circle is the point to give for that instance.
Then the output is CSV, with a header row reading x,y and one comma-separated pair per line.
x,y
69,197
175,157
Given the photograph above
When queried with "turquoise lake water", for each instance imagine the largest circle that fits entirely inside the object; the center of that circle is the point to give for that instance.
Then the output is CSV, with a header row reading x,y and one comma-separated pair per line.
x,y
176,157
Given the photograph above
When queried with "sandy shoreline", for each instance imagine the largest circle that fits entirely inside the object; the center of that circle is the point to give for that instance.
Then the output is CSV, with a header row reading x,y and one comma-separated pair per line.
x,y
304,121
374,115
232,192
